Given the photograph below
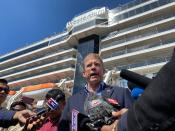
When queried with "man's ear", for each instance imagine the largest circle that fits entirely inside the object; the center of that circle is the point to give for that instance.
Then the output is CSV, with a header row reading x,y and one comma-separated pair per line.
x,y
104,71
83,74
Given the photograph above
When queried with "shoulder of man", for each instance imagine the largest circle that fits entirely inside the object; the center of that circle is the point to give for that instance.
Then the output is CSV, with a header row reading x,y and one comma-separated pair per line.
x,y
115,88
76,101
111,91
77,95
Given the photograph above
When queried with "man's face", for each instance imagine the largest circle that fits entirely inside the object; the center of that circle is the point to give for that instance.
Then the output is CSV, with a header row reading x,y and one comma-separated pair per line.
x,y
3,93
93,70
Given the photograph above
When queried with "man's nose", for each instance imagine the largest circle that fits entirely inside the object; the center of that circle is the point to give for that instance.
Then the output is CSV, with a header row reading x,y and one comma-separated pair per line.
x,y
93,67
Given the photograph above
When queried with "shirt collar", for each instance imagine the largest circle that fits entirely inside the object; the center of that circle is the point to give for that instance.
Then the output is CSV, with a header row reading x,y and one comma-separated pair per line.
x,y
100,88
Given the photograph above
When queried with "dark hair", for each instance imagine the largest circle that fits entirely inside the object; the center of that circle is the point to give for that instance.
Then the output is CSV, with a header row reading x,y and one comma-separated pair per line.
x,y
4,81
5,87
12,107
56,94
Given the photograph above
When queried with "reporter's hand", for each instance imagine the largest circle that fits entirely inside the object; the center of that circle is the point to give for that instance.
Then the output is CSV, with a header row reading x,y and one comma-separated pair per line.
x,y
111,127
36,122
23,115
119,113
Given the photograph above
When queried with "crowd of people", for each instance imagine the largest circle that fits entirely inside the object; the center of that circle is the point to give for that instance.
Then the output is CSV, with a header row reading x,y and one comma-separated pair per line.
x,y
23,115
152,111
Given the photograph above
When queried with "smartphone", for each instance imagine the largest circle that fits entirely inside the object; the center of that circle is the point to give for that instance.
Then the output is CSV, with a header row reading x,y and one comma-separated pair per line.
x,y
41,111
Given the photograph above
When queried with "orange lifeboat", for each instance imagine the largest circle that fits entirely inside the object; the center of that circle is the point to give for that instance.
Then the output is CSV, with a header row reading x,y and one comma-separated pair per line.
x,y
39,87
35,90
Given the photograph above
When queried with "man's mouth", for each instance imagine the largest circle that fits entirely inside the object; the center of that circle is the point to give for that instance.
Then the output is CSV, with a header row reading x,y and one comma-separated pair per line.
x,y
93,74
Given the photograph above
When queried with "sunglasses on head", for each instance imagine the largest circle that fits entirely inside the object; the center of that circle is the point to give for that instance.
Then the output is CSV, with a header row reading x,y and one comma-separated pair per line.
x,y
5,89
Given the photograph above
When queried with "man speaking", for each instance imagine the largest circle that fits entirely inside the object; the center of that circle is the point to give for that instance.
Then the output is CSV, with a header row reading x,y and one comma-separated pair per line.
x,y
93,71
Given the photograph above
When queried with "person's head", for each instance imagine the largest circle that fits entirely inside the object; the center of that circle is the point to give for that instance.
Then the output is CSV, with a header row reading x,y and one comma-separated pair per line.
x,y
4,89
28,101
18,106
93,69
59,97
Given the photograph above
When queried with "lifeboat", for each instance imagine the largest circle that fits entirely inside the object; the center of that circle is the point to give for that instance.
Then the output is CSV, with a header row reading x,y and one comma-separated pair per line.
x,y
34,90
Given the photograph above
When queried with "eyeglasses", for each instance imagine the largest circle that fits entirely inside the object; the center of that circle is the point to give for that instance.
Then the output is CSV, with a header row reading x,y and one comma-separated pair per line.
x,y
4,89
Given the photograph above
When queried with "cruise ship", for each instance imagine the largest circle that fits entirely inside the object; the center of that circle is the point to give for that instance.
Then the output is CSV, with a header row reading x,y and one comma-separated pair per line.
x,y
138,36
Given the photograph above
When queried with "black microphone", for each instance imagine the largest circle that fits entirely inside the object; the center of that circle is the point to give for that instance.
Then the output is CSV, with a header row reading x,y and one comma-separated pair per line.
x,y
51,105
79,121
135,78
99,111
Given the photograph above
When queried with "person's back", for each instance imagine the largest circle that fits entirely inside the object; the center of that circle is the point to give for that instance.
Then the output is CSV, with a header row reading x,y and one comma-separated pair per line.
x,y
154,109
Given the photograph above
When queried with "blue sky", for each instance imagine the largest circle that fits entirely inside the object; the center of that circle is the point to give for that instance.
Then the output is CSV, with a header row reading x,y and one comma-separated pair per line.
x,y
23,22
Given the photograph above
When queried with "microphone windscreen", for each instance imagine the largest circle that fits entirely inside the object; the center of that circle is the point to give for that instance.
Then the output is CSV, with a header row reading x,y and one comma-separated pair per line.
x,y
135,78
96,107
136,92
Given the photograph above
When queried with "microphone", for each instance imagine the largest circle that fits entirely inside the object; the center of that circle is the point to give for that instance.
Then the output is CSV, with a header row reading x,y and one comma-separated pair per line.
x,y
79,121
99,111
136,92
51,105
135,78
